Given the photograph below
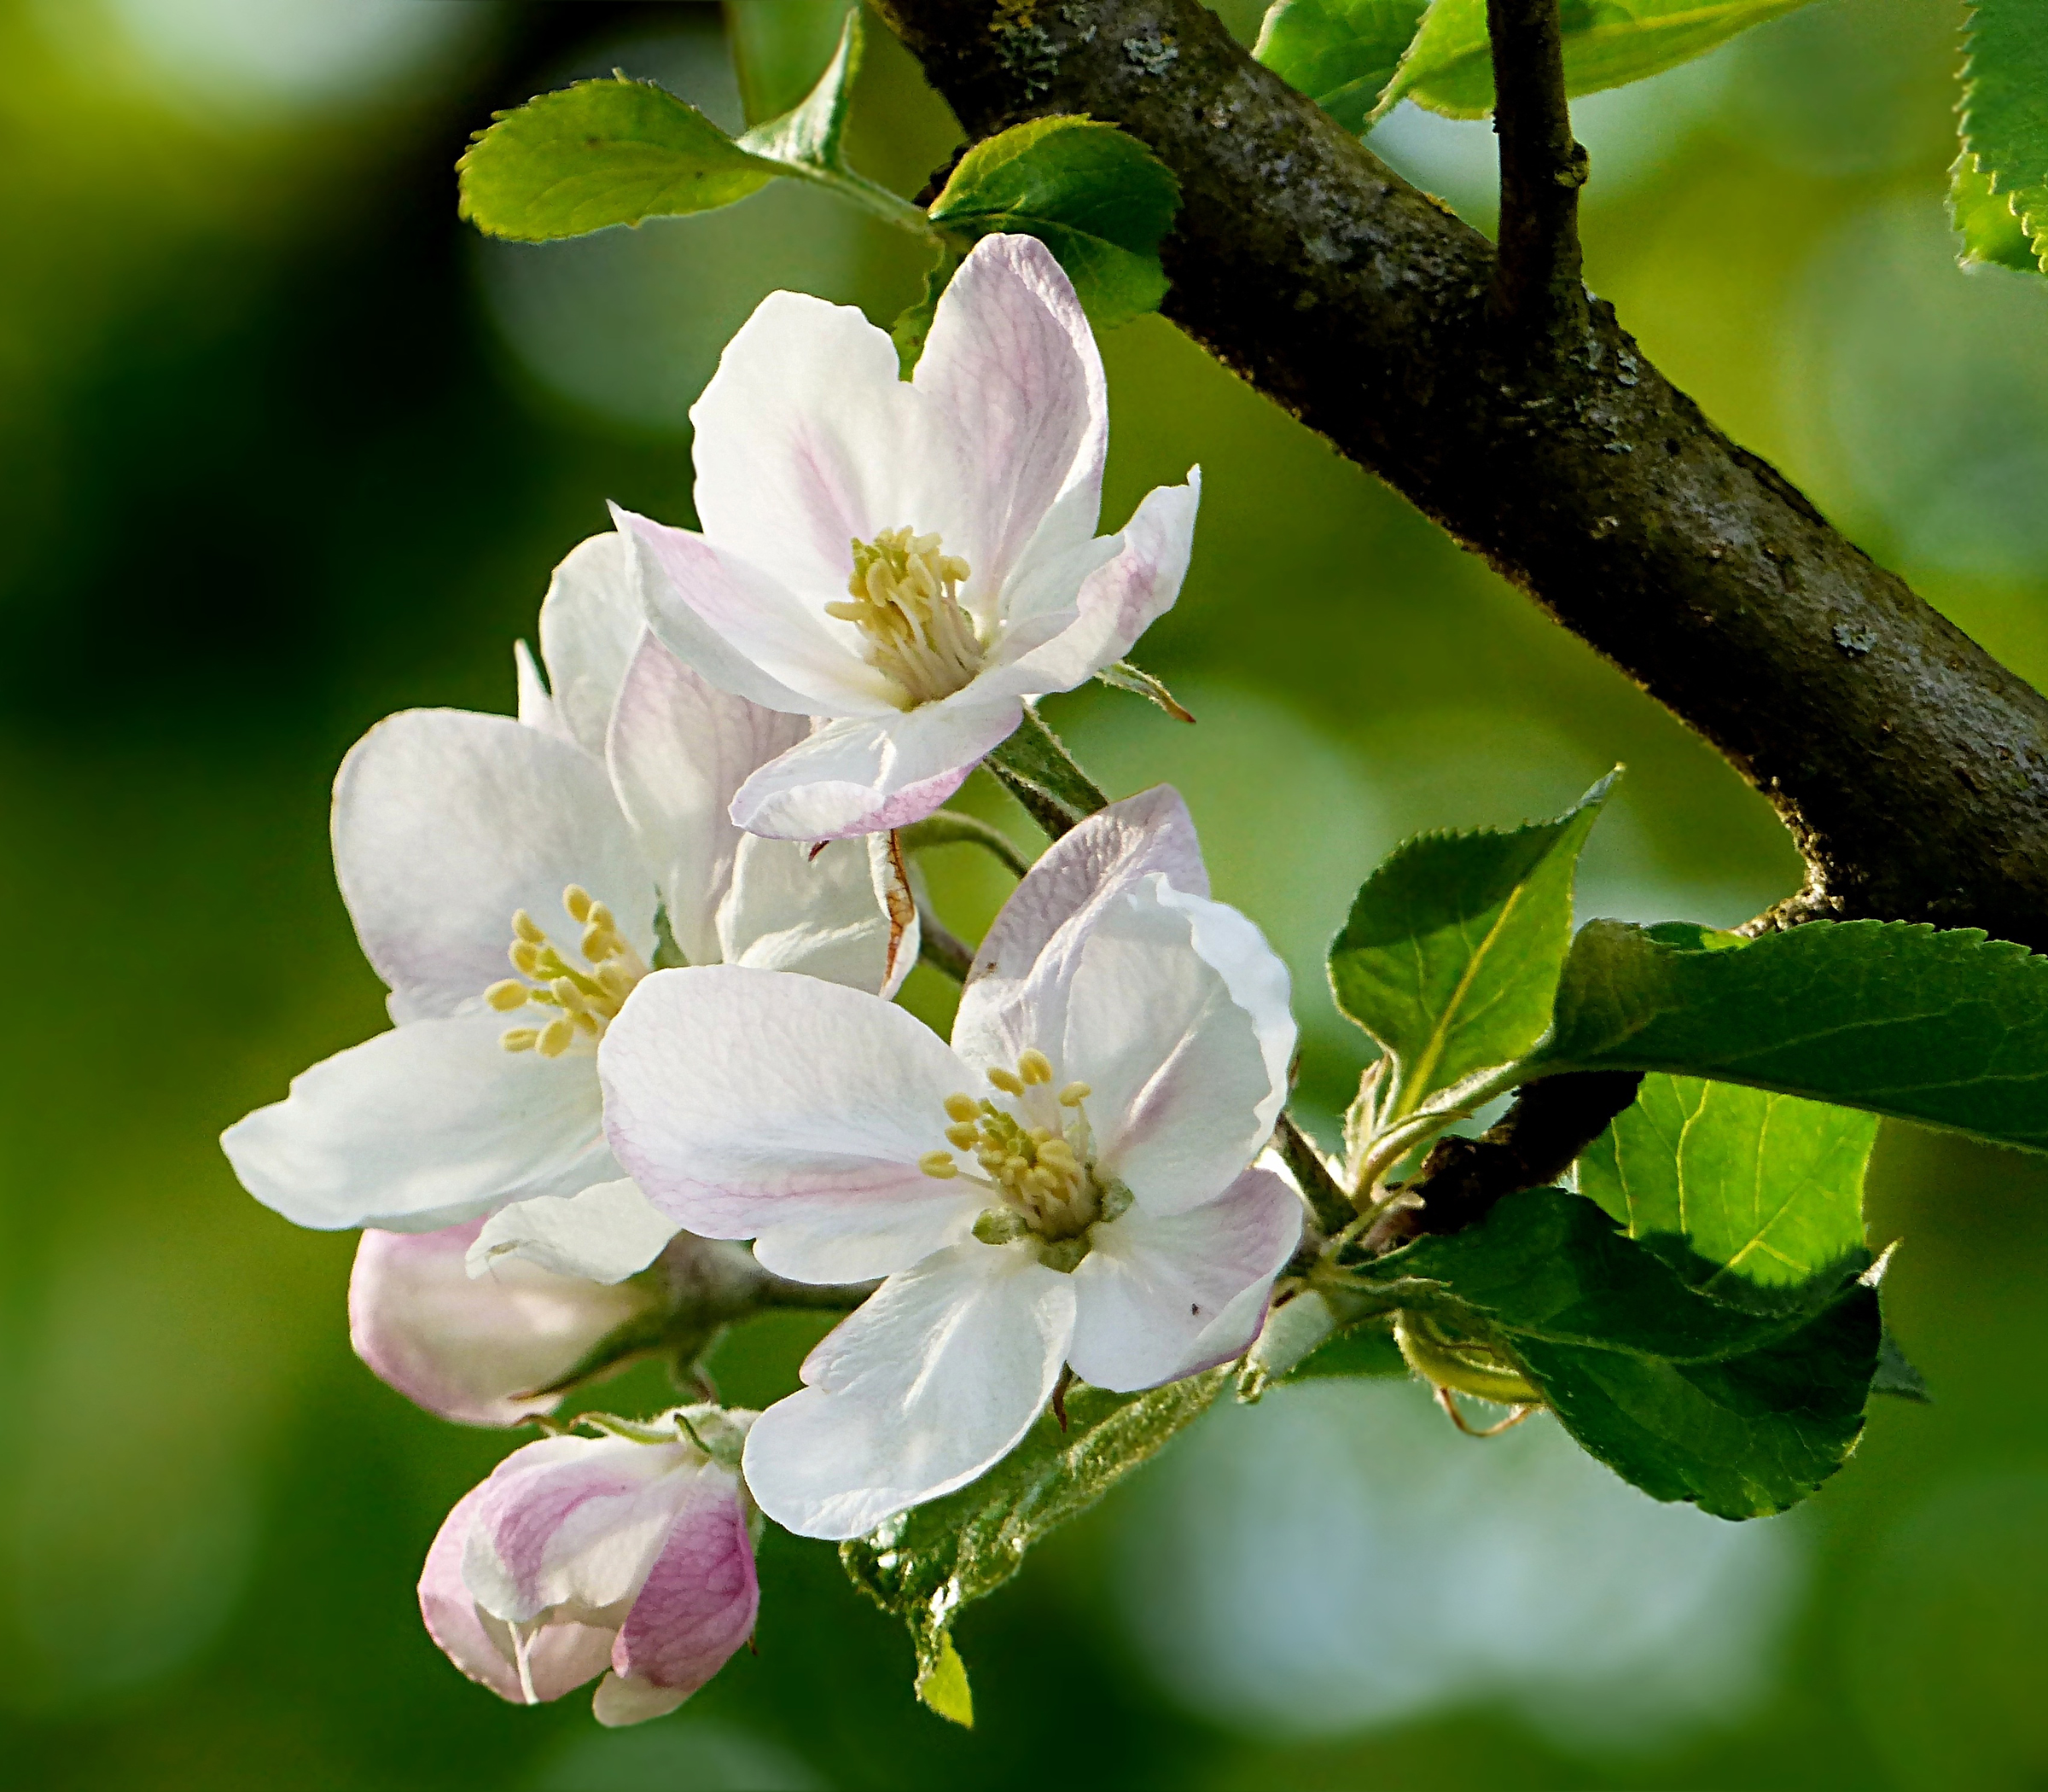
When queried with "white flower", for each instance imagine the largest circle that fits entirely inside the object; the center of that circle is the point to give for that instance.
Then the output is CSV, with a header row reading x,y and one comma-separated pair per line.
x,y
907,561
584,1554
460,839
1067,1183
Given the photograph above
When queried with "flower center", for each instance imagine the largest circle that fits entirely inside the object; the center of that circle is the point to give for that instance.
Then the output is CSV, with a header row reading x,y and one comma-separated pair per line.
x,y
906,605
1036,1154
584,1000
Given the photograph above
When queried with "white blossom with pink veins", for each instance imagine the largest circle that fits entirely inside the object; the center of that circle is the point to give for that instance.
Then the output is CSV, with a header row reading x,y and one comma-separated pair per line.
x,y
612,1555
907,561
462,840
1069,1182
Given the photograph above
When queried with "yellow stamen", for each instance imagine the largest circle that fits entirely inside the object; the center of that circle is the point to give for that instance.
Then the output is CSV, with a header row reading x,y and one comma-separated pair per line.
x,y
1007,1080
585,1001
938,1165
519,1038
1074,1094
1034,1066
906,605
507,994
963,1107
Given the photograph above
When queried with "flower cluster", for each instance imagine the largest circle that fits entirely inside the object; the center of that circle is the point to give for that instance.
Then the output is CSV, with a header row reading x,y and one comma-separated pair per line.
x,y
645,1073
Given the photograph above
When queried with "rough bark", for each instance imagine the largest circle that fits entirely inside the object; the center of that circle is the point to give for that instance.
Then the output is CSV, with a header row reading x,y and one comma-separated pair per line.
x,y
1911,768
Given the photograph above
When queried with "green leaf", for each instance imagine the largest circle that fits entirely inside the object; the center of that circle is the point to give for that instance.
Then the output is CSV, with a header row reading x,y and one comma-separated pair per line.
x,y
1099,200
1449,68
1898,1377
777,48
1753,1197
1341,53
1367,1349
1451,956
601,153
1742,1413
927,1562
2004,123
812,133
1945,1027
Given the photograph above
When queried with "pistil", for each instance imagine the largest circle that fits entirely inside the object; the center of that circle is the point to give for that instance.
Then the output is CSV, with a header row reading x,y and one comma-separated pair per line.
x,y
585,999
906,605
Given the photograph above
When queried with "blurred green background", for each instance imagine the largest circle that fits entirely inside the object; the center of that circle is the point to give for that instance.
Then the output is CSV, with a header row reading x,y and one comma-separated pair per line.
x,y
284,448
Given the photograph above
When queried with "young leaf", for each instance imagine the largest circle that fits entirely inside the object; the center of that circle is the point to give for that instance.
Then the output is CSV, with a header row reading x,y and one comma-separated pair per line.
x,y
1754,1198
777,48
1948,1028
1451,955
2005,120
1449,68
1341,53
1742,1413
927,1562
609,152
812,132
1099,200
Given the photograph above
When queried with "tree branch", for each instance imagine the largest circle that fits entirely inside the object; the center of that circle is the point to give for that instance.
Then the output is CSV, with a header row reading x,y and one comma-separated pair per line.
x,y
1911,768
1537,292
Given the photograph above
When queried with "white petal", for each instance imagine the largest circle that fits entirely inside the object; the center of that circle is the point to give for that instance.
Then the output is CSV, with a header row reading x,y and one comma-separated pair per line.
x,y
794,908
751,1103
608,1232
590,622
574,1522
536,707
1117,602
865,774
679,749
446,821
1174,1010
748,632
468,1349
619,1700
1160,1297
422,1127
925,1388
808,438
1094,864
1012,369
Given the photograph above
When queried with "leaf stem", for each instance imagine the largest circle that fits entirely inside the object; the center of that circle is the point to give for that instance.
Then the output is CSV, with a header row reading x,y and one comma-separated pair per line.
x,y
1467,1098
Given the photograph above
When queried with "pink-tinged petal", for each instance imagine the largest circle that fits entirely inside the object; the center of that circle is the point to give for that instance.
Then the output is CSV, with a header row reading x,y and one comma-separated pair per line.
x,y
808,438
747,631
679,749
591,623
1160,1297
866,775
446,821
698,1602
1012,369
467,1348
574,1523
1050,913
928,1385
752,1103
422,1127
841,914
1117,602
536,708
562,1657
618,1702
1186,1055
606,1233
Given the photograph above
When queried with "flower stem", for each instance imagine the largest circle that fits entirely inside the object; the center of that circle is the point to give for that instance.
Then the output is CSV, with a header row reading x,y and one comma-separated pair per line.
x,y
951,828
1037,770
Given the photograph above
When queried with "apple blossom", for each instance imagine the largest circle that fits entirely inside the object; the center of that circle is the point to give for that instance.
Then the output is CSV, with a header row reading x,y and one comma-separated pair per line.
x,y
629,1556
908,562
557,839
1094,1205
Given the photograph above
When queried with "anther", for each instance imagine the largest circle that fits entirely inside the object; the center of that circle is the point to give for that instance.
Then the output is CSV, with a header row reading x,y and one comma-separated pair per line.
x,y
938,1165
1034,1066
506,994
527,928
519,1038
964,1136
962,1107
526,957
577,900
556,1036
1007,1080
1074,1094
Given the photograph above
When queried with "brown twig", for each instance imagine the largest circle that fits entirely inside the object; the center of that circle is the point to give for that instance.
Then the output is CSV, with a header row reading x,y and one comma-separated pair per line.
x,y
1536,293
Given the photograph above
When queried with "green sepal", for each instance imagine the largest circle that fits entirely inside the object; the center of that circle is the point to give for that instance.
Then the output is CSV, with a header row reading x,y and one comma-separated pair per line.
x,y
1451,955
1946,1027
1742,1413
1122,675
924,1565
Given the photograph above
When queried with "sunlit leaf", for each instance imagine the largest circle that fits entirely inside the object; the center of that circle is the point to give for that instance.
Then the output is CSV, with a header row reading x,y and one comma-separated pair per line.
x,y
927,1563
1449,68
1451,955
1946,1027
1752,1196
1341,53
2001,180
1743,1413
